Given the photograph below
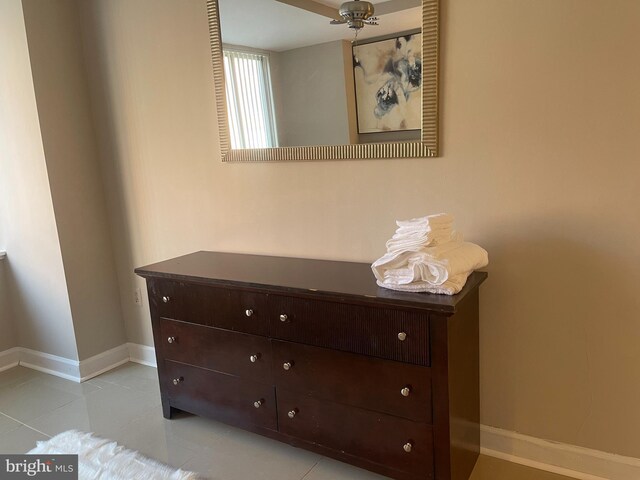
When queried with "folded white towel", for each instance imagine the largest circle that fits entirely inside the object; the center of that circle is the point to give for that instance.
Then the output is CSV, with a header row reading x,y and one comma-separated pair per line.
x,y
417,242
402,232
396,263
421,232
450,287
437,219
423,227
389,261
427,255
433,265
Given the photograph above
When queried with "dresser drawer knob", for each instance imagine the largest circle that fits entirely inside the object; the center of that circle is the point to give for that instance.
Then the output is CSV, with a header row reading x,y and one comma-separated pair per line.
x,y
405,391
292,413
254,358
166,299
248,312
284,317
172,340
402,336
287,365
407,447
178,380
258,403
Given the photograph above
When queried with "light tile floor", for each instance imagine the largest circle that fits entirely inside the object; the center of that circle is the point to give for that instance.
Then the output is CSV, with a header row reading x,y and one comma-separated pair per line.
x,y
124,405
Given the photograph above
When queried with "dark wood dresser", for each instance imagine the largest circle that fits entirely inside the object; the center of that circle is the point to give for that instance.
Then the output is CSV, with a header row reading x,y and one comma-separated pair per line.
x,y
315,354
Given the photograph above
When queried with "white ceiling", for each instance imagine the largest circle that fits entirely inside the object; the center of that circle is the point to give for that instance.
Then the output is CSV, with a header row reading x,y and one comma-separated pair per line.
x,y
275,26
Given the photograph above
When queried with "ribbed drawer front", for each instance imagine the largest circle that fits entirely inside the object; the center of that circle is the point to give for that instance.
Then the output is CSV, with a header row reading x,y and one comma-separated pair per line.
x,y
238,310
235,353
382,385
379,332
373,436
226,397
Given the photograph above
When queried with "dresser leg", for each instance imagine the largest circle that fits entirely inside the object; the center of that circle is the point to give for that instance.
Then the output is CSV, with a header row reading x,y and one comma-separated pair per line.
x,y
167,410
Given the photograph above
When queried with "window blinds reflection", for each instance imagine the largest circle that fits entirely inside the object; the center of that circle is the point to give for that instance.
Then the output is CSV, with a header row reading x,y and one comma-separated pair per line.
x,y
249,100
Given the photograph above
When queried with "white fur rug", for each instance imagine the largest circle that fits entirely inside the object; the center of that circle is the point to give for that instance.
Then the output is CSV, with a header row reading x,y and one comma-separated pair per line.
x,y
103,459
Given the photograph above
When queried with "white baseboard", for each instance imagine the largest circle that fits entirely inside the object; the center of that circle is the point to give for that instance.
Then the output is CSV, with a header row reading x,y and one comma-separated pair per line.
x,y
569,460
142,354
51,364
74,370
9,358
103,362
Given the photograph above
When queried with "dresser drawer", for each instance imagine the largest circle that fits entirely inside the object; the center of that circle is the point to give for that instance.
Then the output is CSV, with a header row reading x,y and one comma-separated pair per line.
x,y
225,397
380,332
386,386
376,437
221,350
237,310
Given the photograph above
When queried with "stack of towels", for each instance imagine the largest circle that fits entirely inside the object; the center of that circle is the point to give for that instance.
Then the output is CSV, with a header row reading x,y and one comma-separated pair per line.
x,y
427,255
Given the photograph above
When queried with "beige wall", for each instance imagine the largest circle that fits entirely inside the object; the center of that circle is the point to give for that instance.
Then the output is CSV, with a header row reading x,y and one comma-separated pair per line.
x,y
541,112
36,280
60,81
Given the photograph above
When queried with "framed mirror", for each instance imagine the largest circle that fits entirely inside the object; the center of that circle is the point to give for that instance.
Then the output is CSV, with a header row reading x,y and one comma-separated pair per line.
x,y
293,82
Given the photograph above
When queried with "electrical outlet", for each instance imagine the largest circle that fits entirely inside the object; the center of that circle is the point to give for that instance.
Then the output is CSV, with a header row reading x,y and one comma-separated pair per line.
x,y
137,296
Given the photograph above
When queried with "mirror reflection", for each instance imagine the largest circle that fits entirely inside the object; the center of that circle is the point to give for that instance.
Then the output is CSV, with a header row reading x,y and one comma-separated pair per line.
x,y
295,79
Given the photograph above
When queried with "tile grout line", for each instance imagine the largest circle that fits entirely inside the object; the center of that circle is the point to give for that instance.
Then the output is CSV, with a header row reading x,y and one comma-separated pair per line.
x,y
25,425
195,455
15,420
36,430
309,471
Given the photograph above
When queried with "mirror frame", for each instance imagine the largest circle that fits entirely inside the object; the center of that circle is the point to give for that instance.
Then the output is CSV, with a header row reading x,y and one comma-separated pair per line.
x,y
426,147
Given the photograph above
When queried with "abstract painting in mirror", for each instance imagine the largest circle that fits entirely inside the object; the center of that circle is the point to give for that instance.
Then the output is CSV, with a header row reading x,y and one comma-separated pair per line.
x,y
293,81
388,84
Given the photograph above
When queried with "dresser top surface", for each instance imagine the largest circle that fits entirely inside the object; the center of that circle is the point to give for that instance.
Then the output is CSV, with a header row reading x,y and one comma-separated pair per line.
x,y
298,275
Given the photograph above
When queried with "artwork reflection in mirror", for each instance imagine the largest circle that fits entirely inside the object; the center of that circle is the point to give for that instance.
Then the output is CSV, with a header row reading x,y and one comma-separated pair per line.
x,y
388,80
293,79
